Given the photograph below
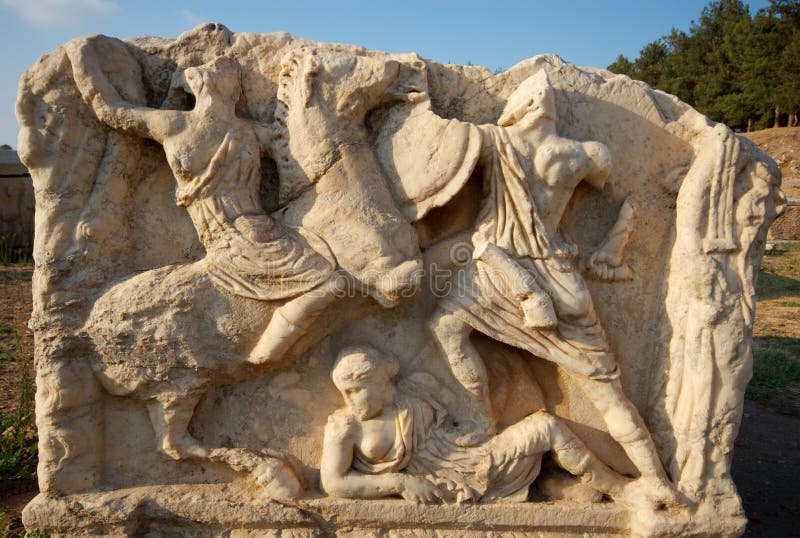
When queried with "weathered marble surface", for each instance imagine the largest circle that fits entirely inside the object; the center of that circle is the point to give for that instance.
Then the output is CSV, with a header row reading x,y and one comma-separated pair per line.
x,y
392,295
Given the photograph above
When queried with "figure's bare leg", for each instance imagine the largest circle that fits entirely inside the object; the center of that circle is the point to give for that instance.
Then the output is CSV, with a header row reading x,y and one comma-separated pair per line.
x,y
627,427
292,319
542,432
171,414
573,456
467,366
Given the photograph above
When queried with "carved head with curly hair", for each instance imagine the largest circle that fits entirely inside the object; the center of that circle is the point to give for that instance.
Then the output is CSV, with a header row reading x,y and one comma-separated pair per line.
x,y
364,377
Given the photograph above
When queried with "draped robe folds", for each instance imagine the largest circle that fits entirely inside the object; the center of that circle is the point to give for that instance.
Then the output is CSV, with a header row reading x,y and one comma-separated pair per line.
x,y
424,446
282,266
510,220
223,198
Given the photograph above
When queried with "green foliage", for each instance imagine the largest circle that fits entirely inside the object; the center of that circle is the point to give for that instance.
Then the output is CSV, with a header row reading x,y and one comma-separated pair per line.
x,y
776,372
18,440
10,254
18,452
732,66
622,65
5,146
14,529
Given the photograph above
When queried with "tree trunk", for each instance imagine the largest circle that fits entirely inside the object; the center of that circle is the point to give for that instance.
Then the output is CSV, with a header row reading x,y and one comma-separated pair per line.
x,y
749,124
792,120
777,118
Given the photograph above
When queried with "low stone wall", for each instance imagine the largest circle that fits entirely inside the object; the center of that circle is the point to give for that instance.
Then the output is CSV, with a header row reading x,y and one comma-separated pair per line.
x,y
787,226
16,202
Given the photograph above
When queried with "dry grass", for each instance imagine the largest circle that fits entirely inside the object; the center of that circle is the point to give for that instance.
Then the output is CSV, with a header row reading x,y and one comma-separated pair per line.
x,y
18,442
783,145
776,349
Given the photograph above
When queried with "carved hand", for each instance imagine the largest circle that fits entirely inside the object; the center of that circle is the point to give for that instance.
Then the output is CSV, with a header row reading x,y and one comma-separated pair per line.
x,y
606,263
420,490
459,492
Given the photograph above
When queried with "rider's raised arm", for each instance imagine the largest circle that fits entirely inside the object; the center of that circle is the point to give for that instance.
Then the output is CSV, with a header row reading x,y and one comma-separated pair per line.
x,y
112,109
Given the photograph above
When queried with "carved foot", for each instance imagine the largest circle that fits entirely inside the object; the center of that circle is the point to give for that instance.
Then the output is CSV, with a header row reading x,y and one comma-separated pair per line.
x,y
278,480
275,476
184,449
651,493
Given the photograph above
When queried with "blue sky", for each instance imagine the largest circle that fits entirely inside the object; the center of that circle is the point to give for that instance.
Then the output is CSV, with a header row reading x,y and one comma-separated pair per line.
x,y
496,33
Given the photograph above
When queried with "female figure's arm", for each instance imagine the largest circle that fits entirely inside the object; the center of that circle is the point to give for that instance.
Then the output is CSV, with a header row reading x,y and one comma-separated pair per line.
x,y
113,110
339,479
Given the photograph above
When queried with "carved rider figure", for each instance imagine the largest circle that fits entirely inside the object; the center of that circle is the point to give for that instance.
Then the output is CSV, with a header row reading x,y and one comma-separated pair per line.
x,y
522,286
215,158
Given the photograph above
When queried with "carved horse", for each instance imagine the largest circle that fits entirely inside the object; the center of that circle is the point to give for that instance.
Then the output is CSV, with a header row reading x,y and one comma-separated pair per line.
x,y
167,335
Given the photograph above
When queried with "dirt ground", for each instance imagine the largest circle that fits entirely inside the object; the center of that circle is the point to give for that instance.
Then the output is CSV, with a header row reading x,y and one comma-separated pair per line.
x,y
15,337
766,470
15,340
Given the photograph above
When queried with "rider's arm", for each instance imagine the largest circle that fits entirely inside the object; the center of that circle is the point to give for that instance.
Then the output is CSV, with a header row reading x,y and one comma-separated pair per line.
x,y
115,111
139,121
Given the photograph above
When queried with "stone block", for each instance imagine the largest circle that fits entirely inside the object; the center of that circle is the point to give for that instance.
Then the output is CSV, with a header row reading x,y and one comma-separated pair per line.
x,y
295,288
787,226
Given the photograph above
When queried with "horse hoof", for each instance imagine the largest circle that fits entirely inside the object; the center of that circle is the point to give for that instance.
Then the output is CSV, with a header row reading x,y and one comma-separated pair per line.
x,y
278,480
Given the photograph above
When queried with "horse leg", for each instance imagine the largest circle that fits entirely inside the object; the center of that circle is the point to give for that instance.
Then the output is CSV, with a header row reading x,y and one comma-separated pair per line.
x,y
171,414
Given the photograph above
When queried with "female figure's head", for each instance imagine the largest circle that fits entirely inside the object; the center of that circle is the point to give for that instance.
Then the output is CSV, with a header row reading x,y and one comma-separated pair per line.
x,y
364,377
220,78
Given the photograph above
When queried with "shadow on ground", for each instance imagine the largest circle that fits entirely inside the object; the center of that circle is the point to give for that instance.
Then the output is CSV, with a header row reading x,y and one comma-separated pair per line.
x,y
766,470
772,286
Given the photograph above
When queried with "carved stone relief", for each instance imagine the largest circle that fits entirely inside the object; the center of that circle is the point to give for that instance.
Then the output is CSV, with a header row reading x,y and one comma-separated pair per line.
x,y
293,287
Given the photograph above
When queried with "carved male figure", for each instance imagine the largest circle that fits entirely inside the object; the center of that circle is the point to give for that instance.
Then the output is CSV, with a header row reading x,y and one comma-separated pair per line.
x,y
523,287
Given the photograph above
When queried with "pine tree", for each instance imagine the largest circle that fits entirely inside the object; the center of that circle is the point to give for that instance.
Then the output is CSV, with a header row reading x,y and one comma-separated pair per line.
x,y
733,67
622,65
